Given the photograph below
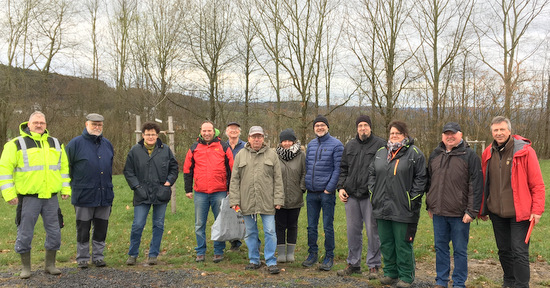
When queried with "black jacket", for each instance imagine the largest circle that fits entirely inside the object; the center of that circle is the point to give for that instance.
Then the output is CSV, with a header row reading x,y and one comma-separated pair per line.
x,y
455,183
355,163
397,187
146,174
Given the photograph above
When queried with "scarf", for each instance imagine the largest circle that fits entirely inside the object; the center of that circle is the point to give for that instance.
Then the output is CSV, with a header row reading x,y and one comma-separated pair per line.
x,y
149,148
290,153
393,148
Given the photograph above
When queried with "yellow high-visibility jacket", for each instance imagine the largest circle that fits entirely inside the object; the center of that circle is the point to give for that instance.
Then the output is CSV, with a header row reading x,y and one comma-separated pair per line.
x,y
34,164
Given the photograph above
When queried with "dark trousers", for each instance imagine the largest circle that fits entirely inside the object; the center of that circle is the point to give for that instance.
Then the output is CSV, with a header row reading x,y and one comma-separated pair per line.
x,y
512,250
286,224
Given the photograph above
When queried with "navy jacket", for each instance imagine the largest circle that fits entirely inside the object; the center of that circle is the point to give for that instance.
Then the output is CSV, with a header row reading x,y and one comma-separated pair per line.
x,y
323,156
91,170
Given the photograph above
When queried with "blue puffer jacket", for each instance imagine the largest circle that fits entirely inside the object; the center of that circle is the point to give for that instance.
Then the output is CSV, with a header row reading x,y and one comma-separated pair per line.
x,y
91,170
323,158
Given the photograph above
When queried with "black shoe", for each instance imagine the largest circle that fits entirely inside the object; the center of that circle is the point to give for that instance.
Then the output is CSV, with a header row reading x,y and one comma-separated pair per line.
x,y
252,266
100,263
311,259
273,269
349,270
83,264
235,245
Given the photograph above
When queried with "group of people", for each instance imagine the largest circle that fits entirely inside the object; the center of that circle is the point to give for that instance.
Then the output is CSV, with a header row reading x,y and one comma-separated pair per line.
x,y
381,184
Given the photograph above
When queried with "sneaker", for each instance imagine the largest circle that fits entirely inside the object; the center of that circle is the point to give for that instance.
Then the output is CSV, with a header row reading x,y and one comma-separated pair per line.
x,y
374,273
273,269
100,263
131,260
218,258
252,266
403,284
387,280
152,261
83,264
311,259
200,258
327,264
349,270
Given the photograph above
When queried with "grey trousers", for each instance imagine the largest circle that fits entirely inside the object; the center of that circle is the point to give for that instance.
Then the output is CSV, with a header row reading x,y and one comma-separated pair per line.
x,y
30,209
357,213
85,217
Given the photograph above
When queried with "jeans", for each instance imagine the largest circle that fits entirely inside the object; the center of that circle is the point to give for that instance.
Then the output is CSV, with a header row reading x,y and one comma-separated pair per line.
x,y
451,229
316,202
253,242
140,218
513,253
203,203
286,222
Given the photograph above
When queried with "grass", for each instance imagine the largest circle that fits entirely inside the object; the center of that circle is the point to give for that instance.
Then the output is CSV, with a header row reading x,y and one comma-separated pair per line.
x,y
179,239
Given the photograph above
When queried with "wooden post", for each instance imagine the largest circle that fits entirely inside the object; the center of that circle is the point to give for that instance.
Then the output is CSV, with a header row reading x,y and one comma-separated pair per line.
x,y
171,142
138,128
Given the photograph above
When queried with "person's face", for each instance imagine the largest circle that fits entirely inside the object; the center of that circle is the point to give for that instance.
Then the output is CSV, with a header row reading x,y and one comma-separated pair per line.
x,y
207,132
232,131
150,136
451,139
396,136
256,141
37,124
94,127
363,130
500,132
320,129
287,143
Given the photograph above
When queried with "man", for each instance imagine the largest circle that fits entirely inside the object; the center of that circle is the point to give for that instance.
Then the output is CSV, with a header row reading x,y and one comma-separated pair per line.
x,y
454,196
208,165
233,133
33,169
513,196
257,187
323,156
353,191
91,168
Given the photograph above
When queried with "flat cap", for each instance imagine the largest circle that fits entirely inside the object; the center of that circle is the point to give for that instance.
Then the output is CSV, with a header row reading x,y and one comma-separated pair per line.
x,y
95,117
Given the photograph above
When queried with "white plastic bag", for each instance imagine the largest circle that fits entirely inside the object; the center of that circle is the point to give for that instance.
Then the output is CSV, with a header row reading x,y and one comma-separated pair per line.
x,y
229,225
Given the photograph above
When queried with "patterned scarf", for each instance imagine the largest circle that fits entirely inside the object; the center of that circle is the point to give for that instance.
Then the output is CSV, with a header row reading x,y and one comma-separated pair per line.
x,y
392,147
290,153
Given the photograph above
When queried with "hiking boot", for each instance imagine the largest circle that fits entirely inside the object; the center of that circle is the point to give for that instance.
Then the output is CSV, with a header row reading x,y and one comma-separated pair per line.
x,y
100,263
131,260
311,259
252,266
403,284
349,270
235,245
218,258
387,280
374,273
200,258
83,264
273,269
327,264
152,261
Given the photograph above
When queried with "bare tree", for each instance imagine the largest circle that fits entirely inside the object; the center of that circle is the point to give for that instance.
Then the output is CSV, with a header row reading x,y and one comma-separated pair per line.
x,y
123,14
92,7
514,18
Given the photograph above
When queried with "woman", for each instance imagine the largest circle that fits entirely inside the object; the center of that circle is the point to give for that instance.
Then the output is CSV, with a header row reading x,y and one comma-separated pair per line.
x,y
150,170
293,170
397,180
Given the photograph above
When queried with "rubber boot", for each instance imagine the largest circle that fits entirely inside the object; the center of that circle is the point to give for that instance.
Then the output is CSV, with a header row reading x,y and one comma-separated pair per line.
x,y
26,262
50,263
281,253
290,252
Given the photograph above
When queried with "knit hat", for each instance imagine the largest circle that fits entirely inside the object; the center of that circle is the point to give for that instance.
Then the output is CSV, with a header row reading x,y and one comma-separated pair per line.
x,y
321,118
287,134
363,118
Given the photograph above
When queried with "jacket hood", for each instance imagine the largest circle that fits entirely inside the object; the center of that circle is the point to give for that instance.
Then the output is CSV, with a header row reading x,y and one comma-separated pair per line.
x,y
216,137
24,131
247,146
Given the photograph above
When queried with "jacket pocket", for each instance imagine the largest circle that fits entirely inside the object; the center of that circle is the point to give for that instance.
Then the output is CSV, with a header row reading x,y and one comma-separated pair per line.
x,y
164,193
140,194
268,167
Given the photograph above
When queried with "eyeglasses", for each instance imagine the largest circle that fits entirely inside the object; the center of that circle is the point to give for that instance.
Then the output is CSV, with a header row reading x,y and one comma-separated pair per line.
x,y
150,135
38,123
97,124
396,133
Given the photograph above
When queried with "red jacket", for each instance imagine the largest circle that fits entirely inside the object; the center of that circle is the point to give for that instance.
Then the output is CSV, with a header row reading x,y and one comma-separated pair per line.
x,y
208,166
527,183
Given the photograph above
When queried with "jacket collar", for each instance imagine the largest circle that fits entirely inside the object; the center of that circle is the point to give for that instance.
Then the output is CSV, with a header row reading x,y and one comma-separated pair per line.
x,y
93,138
25,132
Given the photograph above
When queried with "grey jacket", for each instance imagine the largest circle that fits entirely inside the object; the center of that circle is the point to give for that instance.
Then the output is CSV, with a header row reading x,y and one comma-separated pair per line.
x,y
294,173
256,182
